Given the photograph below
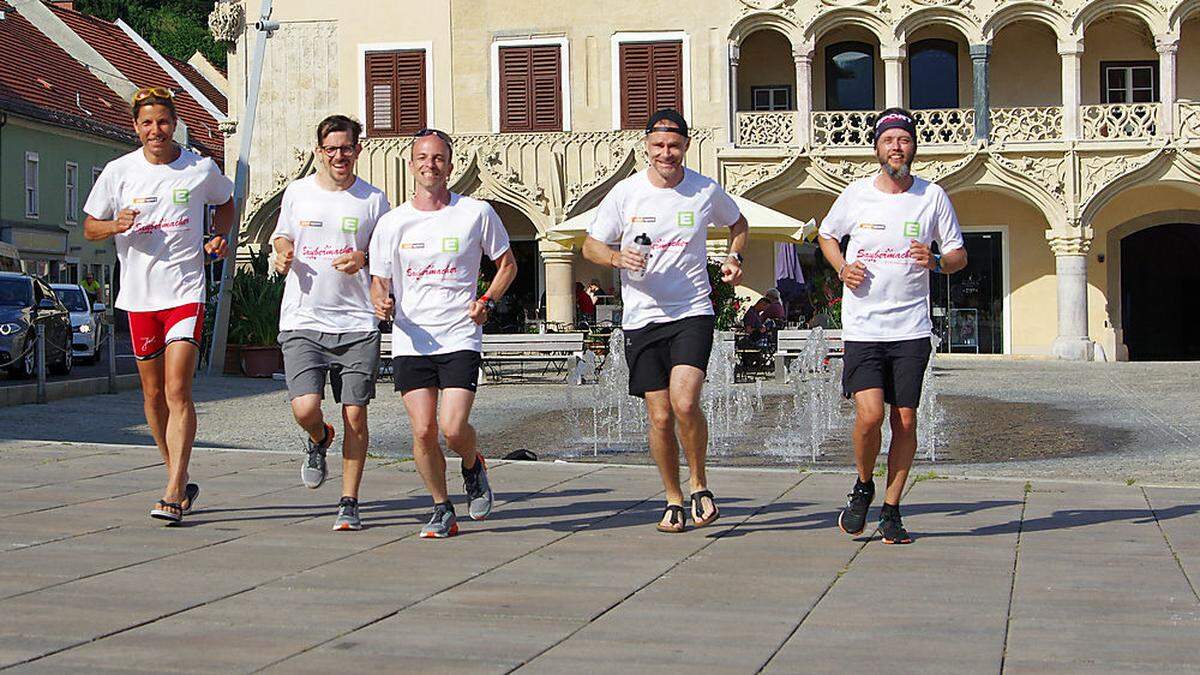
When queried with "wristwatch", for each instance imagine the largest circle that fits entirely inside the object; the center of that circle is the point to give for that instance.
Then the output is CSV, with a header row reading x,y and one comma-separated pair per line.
x,y
488,303
937,263
737,256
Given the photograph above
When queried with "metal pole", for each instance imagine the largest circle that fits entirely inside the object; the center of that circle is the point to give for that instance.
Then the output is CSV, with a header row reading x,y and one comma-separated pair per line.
x,y
41,363
112,355
265,27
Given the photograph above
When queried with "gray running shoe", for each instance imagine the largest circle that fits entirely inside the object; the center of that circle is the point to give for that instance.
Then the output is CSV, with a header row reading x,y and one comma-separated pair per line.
x,y
347,519
312,473
479,490
443,523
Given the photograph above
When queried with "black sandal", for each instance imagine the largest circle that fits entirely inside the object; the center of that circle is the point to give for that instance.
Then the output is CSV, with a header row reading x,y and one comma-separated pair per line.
x,y
678,520
698,508
190,494
161,511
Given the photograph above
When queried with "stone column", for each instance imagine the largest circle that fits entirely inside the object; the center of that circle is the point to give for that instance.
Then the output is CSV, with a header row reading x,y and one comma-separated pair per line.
x,y
893,74
983,111
802,55
1070,263
560,281
735,55
1168,47
1071,51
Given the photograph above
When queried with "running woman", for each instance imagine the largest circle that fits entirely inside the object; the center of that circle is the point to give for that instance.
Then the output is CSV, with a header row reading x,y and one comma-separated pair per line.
x,y
668,315
427,253
153,201
891,219
327,325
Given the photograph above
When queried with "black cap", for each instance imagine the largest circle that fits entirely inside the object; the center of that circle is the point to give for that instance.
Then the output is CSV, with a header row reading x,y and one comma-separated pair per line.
x,y
670,115
895,118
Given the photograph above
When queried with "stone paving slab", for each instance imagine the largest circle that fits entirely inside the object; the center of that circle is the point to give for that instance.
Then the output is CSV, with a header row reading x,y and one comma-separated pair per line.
x,y
570,575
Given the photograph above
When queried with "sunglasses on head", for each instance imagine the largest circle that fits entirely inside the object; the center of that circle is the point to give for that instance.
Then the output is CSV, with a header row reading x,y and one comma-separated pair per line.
x,y
152,92
434,132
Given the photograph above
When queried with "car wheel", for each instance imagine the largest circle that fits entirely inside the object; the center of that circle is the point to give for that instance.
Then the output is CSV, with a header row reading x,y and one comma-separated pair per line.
x,y
64,366
27,365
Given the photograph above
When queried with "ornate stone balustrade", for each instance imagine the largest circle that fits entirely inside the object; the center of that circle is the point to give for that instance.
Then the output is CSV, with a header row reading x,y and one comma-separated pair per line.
x,y
1120,121
766,129
1187,119
1027,124
853,128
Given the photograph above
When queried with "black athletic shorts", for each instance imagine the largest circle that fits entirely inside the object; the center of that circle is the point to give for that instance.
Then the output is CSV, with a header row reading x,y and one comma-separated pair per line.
x,y
456,370
654,349
898,368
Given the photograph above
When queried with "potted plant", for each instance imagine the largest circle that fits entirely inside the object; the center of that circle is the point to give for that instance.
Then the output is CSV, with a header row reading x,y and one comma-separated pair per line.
x,y
254,316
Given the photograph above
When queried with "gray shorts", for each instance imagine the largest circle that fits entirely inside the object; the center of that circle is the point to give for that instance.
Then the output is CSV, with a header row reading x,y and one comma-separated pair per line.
x,y
350,359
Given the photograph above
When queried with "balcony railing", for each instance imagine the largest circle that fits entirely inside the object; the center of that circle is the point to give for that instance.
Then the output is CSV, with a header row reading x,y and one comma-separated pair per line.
x,y
855,128
1027,124
1120,121
766,129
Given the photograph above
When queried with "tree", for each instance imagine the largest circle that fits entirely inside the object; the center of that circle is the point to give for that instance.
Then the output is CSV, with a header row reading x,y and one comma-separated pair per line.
x,y
177,28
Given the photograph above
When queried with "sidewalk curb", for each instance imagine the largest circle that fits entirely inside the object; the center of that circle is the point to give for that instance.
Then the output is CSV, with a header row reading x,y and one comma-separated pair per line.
x,y
21,394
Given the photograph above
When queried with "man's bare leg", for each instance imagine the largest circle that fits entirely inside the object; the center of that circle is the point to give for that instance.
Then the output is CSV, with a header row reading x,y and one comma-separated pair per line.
x,y
901,452
354,447
686,382
307,411
179,366
663,446
421,405
868,431
453,419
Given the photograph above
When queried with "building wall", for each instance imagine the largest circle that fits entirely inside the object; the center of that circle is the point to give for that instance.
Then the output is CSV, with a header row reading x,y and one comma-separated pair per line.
x,y
1025,68
766,59
1189,60
55,147
1112,39
851,33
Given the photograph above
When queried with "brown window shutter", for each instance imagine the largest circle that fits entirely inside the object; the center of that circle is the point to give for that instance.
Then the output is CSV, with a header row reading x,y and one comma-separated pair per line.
x,y
668,76
636,81
395,92
530,93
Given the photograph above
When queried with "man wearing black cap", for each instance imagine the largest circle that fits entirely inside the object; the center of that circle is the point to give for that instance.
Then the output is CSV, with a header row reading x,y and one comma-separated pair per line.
x,y
891,219
668,316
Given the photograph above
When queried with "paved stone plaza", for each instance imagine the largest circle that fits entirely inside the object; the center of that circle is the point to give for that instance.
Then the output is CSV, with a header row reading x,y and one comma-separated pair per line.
x,y
1023,567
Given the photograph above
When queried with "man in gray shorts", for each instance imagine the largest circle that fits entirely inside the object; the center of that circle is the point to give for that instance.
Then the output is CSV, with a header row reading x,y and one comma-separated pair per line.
x,y
327,323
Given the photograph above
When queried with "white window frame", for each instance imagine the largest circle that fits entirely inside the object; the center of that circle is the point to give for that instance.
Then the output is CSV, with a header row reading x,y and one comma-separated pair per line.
x,y
1129,88
71,193
565,84
368,47
630,37
31,193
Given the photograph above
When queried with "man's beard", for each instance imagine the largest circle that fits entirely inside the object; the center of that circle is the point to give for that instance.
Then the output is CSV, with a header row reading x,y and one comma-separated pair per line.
x,y
896,173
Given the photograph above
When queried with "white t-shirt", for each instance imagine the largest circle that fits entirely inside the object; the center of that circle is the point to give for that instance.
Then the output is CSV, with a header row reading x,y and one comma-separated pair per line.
x,y
676,220
323,225
892,304
432,258
162,255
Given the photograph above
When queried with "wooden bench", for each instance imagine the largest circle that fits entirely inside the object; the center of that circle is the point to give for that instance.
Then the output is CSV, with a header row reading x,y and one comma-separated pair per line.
x,y
790,343
548,352
553,352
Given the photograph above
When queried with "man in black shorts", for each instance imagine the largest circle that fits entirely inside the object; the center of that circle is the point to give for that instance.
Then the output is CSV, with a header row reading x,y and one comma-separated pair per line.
x,y
891,219
668,316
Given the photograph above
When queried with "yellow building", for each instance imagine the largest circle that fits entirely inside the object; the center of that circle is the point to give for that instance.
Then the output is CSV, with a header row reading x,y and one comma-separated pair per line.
x,y
1067,133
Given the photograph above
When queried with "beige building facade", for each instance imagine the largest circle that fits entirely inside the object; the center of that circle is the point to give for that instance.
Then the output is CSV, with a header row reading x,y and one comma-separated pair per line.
x,y
1067,133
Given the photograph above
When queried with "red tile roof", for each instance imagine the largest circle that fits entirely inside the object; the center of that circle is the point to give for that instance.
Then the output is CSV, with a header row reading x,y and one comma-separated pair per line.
x,y
58,89
208,89
134,64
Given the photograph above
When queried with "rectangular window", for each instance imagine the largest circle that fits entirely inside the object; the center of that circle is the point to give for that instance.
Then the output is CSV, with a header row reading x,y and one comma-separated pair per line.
x,y
72,192
96,171
31,185
1128,81
395,87
531,89
771,97
651,79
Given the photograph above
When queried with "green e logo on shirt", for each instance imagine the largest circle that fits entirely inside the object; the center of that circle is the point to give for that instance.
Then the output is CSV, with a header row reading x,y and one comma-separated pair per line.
x,y
181,195
912,228
349,224
450,245
686,219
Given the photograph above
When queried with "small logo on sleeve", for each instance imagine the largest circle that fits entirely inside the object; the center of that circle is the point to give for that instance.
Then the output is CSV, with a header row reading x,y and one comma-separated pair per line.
x,y
872,226
912,228
643,219
450,245
311,223
685,219
417,245
181,195
145,200
349,224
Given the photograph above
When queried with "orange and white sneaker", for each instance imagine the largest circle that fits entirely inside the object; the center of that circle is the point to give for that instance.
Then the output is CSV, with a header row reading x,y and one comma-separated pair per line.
x,y
347,518
443,523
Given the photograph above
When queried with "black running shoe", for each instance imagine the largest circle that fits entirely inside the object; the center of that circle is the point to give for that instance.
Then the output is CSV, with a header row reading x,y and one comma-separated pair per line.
x,y
853,518
891,528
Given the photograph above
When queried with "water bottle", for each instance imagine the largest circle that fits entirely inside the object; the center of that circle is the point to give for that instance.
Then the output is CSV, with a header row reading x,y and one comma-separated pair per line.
x,y
641,245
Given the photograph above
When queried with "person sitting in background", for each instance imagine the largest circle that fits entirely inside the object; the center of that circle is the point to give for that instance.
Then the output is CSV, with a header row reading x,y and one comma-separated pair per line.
x,y
584,304
594,291
774,309
752,319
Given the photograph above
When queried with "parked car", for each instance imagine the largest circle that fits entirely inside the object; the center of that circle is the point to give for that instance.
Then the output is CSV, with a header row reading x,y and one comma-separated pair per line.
x,y
86,321
25,302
